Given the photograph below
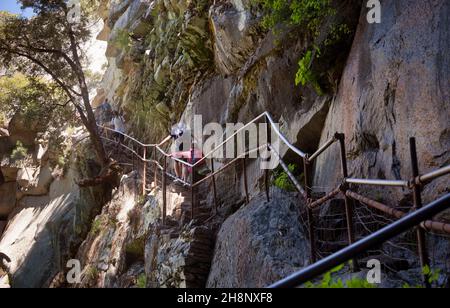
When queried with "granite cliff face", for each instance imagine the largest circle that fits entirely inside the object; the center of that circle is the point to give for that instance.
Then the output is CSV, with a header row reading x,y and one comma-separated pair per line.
x,y
395,85
169,60
387,83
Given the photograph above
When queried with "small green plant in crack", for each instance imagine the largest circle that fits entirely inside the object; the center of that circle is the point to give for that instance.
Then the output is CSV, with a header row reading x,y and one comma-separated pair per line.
x,y
305,75
19,152
123,40
92,272
282,180
97,226
141,281
433,275
330,282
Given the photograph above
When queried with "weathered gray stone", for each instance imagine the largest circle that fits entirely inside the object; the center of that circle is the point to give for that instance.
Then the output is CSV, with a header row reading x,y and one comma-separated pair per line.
x,y
235,32
259,244
394,86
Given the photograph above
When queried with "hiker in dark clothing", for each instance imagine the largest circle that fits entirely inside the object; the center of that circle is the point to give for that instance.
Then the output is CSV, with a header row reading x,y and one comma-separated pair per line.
x,y
106,112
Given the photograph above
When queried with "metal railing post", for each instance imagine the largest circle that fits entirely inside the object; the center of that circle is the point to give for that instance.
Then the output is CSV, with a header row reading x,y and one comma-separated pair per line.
x,y
348,201
417,196
156,168
213,179
144,171
247,198
164,189
266,171
192,180
309,211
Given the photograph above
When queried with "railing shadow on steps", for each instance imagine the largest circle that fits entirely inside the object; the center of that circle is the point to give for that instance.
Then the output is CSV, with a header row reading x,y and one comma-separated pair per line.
x,y
415,184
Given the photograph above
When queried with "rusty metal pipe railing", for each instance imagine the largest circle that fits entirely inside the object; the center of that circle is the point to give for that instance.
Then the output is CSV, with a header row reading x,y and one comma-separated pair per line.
x,y
434,174
373,240
322,149
213,181
417,196
164,191
370,182
231,137
309,212
324,199
127,136
227,165
436,226
429,225
376,205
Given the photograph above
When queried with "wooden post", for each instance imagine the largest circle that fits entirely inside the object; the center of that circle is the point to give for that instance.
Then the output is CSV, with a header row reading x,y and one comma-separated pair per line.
x,y
312,240
348,201
164,189
417,196
247,198
144,172
213,178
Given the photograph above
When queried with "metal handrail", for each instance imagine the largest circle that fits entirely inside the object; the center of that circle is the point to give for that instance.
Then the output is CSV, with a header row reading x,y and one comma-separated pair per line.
x,y
218,147
393,183
311,204
400,226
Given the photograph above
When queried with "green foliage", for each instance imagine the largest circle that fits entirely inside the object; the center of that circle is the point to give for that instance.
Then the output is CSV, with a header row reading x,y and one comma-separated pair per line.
x,y
433,276
34,98
305,13
305,74
141,281
19,152
123,40
329,282
336,34
282,180
97,226
309,16
92,272
46,47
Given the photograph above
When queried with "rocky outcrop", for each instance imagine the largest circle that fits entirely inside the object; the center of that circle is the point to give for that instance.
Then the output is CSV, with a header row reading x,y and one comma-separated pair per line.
x,y
215,60
259,244
236,31
47,222
394,86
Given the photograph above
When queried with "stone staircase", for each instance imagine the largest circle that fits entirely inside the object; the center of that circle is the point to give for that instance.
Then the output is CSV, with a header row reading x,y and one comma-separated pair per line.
x,y
198,249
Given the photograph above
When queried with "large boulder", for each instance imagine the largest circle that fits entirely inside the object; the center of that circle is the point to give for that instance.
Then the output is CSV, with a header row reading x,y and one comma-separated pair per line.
x,y
260,244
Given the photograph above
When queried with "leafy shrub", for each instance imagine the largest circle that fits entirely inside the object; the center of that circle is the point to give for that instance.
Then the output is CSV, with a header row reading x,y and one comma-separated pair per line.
x,y
141,281
19,152
96,227
282,180
92,272
307,13
309,16
329,282
305,74
122,40
434,278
